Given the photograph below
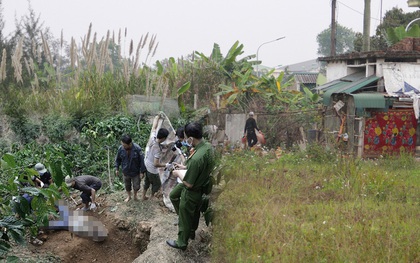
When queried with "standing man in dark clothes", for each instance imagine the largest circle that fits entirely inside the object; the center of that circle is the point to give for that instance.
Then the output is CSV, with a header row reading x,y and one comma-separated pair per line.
x,y
131,159
249,130
89,185
199,166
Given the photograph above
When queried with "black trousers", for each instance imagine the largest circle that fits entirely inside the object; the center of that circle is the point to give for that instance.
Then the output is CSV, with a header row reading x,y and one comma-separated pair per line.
x,y
252,139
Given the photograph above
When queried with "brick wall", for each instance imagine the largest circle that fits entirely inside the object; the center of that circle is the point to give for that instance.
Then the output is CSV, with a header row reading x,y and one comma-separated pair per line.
x,y
407,44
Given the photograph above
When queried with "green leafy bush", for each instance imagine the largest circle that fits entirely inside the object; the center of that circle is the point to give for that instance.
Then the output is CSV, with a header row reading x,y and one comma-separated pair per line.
x,y
30,216
56,127
25,129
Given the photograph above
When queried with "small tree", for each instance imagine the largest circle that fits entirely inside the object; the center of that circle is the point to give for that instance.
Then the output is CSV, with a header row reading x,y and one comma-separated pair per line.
x,y
392,19
345,38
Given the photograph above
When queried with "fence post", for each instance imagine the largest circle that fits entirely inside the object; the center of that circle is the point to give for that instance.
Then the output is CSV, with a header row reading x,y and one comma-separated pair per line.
x,y
195,101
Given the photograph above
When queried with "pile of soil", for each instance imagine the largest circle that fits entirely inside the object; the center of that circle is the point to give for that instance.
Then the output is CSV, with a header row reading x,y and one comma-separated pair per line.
x,y
137,232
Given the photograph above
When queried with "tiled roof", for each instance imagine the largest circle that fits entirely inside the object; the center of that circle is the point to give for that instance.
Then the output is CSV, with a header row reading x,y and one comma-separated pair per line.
x,y
374,55
306,66
306,77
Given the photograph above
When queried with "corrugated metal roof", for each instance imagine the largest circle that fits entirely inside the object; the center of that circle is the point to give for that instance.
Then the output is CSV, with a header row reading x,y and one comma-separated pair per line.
x,y
347,87
327,85
358,85
346,79
354,77
369,100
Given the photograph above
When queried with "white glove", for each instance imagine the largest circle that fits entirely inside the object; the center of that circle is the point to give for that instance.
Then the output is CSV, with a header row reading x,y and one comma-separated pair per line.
x,y
42,184
93,206
168,165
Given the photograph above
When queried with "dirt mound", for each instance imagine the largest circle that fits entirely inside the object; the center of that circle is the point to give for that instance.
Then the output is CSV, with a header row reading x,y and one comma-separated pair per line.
x,y
137,232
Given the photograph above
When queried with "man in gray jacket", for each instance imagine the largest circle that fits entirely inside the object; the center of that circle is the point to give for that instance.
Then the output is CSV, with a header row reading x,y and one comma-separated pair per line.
x,y
131,159
88,185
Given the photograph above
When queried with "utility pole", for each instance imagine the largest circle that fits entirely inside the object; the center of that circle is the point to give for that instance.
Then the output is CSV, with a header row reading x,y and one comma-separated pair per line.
x,y
380,20
333,28
366,27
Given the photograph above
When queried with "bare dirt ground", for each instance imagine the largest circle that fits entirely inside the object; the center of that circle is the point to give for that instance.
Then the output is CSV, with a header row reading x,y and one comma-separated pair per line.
x,y
138,231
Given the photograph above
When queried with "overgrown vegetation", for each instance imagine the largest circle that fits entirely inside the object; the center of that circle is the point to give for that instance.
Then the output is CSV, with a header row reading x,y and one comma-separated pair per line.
x,y
90,152
64,104
301,208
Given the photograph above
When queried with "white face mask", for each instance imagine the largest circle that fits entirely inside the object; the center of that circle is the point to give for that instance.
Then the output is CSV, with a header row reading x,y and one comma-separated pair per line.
x,y
184,143
163,144
189,140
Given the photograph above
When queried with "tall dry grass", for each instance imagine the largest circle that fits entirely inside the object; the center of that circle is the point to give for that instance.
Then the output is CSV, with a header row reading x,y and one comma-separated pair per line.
x,y
96,76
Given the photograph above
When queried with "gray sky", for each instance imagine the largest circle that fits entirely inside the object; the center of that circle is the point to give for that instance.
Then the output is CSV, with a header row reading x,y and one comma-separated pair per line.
x,y
183,26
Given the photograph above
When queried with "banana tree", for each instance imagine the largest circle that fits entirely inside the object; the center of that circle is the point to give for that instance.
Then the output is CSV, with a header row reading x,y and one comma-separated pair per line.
x,y
181,91
226,64
244,83
247,83
394,35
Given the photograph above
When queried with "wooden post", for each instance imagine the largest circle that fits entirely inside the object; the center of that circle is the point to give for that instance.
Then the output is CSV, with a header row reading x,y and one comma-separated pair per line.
x,y
111,185
195,101
333,28
351,112
366,27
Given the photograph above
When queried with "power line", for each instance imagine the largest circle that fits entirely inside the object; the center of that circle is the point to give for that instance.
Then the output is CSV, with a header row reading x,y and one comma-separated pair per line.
x,y
361,13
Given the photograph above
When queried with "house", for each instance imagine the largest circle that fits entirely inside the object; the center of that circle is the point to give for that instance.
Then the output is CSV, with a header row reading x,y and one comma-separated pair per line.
x,y
305,74
371,99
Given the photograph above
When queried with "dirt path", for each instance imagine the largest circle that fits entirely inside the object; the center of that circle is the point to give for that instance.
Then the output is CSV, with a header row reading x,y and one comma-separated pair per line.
x,y
138,231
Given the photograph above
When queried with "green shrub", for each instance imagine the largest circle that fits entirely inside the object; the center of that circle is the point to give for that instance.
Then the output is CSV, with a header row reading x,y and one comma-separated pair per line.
x,y
56,127
30,217
25,129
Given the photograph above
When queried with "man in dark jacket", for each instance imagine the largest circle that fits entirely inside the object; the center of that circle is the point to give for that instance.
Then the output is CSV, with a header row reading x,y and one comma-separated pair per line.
x,y
131,159
89,185
249,130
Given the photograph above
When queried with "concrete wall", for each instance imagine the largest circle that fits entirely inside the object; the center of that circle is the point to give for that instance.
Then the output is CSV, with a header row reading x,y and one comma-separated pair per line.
x,y
235,124
336,70
152,105
395,74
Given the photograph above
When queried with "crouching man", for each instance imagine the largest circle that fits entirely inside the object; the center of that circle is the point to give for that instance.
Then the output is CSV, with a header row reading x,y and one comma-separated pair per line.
x,y
88,184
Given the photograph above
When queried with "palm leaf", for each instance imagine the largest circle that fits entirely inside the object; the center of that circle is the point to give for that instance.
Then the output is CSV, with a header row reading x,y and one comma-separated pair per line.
x,y
31,190
202,56
233,53
395,34
216,54
4,247
308,92
159,68
184,88
414,31
278,86
232,98
8,160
